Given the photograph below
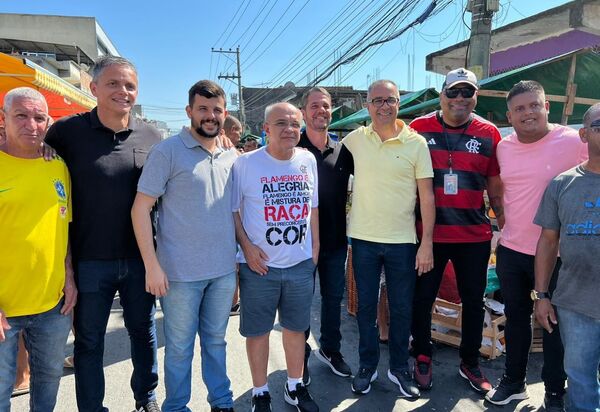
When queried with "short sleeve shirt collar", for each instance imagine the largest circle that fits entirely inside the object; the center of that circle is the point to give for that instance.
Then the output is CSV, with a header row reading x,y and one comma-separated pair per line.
x,y
401,136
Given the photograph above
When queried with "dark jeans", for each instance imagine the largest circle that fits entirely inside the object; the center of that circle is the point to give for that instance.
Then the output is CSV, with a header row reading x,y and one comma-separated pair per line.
x,y
470,262
98,281
398,260
332,279
516,275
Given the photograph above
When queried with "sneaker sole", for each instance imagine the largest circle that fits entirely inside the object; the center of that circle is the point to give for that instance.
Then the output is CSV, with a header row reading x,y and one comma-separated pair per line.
x,y
290,401
373,378
424,388
326,362
517,396
478,390
395,380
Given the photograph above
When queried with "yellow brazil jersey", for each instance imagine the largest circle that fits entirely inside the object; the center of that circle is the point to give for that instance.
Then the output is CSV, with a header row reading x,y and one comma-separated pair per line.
x,y
35,211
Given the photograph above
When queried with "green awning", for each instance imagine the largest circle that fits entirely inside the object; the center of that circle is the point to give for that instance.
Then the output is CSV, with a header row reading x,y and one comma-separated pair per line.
x,y
362,115
340,112
552,73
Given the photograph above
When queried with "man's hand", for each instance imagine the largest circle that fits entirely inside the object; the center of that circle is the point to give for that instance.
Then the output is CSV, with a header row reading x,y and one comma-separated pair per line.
x,y
256,258
47,152
545,315
225,141
156,281
3,325
424,261
70,292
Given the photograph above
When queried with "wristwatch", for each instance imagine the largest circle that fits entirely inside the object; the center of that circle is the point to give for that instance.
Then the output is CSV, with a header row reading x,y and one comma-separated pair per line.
x,y
535,295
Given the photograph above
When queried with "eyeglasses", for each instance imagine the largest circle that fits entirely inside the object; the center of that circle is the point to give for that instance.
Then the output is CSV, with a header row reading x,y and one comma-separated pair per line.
x,y
466,92
282,124
379,101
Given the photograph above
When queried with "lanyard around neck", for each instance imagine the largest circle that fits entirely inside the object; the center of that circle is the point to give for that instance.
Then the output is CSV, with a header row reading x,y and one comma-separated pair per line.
x,y
462,134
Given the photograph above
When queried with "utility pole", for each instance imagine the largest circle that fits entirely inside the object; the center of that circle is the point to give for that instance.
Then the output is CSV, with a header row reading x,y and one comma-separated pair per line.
x,y
239,82
478,55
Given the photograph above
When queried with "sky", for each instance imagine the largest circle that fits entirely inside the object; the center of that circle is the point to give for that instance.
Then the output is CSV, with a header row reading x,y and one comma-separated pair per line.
x,y
288,40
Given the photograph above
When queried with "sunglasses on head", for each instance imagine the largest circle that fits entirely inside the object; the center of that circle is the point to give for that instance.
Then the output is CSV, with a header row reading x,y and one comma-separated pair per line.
x,y
466,92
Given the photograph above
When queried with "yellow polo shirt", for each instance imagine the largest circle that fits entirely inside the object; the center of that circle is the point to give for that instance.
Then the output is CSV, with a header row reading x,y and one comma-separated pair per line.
x,y
385,183
35,211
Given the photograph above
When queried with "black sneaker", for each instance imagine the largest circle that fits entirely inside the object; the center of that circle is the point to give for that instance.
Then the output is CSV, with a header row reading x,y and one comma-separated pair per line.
x,y
335,361
300,398
361,384
151,406
306,372
406,384
261,403
217,409
506,391
554,402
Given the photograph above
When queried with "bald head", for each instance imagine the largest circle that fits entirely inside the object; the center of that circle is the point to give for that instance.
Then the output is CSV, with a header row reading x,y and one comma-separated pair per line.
x,y
378,84
591,114
281,106
282,125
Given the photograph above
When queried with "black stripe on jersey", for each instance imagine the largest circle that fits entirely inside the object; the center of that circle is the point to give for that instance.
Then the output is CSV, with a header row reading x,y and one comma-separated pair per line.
x,y
459,217
466,180
457,143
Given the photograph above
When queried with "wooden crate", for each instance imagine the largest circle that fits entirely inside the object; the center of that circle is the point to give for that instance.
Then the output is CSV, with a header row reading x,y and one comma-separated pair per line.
x,y
454,324
538,337
352,302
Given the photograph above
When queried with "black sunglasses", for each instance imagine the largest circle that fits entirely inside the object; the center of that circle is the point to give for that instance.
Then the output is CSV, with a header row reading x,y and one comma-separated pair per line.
x,y
466,92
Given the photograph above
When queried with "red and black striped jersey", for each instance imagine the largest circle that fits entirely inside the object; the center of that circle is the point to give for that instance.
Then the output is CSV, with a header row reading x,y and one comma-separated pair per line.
x,y
472,150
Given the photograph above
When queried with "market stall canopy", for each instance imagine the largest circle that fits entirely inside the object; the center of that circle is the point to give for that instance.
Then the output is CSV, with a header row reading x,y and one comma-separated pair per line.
x,y
362,116
338,113
63,98
570,81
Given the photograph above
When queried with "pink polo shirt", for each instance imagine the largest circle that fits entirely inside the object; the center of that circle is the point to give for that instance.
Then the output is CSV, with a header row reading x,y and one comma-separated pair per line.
x,y
526,170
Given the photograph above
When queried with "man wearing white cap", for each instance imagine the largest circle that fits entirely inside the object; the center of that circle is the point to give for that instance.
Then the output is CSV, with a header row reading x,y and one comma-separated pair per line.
x,y
463,153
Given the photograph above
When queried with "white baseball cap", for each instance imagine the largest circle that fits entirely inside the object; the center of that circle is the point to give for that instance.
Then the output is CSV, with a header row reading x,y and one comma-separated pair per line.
x,y
458,76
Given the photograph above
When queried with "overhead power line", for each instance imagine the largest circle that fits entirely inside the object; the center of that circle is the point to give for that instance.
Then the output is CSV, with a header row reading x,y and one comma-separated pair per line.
x,y
419,20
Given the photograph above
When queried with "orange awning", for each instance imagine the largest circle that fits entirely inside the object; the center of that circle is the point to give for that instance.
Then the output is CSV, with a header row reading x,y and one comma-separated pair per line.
x,y
63,98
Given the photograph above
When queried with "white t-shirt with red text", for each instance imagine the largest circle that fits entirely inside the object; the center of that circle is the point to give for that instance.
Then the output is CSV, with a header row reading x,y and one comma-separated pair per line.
x,y
275,198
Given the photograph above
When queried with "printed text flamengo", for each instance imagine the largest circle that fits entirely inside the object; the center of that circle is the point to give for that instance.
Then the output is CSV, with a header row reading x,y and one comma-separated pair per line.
x,y
284,178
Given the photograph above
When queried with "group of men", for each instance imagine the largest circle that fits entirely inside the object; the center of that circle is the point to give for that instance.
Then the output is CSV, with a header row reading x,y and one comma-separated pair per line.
x,y
175,229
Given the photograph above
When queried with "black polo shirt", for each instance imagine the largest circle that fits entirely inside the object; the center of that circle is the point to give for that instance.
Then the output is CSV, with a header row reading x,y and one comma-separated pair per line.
x,y
105,167
334,166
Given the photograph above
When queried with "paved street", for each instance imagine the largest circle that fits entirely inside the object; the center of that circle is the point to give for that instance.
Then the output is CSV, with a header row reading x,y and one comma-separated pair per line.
x,y
449,393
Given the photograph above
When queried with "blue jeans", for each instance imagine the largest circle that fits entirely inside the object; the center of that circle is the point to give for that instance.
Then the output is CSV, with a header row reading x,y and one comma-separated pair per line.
x,y
332,279
368,258
581,338
202,308
45,338
97,282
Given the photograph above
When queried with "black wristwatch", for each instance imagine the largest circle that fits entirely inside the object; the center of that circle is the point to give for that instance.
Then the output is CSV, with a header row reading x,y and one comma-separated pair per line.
x,y
535,295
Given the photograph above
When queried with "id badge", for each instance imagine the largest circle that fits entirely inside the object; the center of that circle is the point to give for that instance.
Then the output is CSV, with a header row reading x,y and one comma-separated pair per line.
x,y
450,184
